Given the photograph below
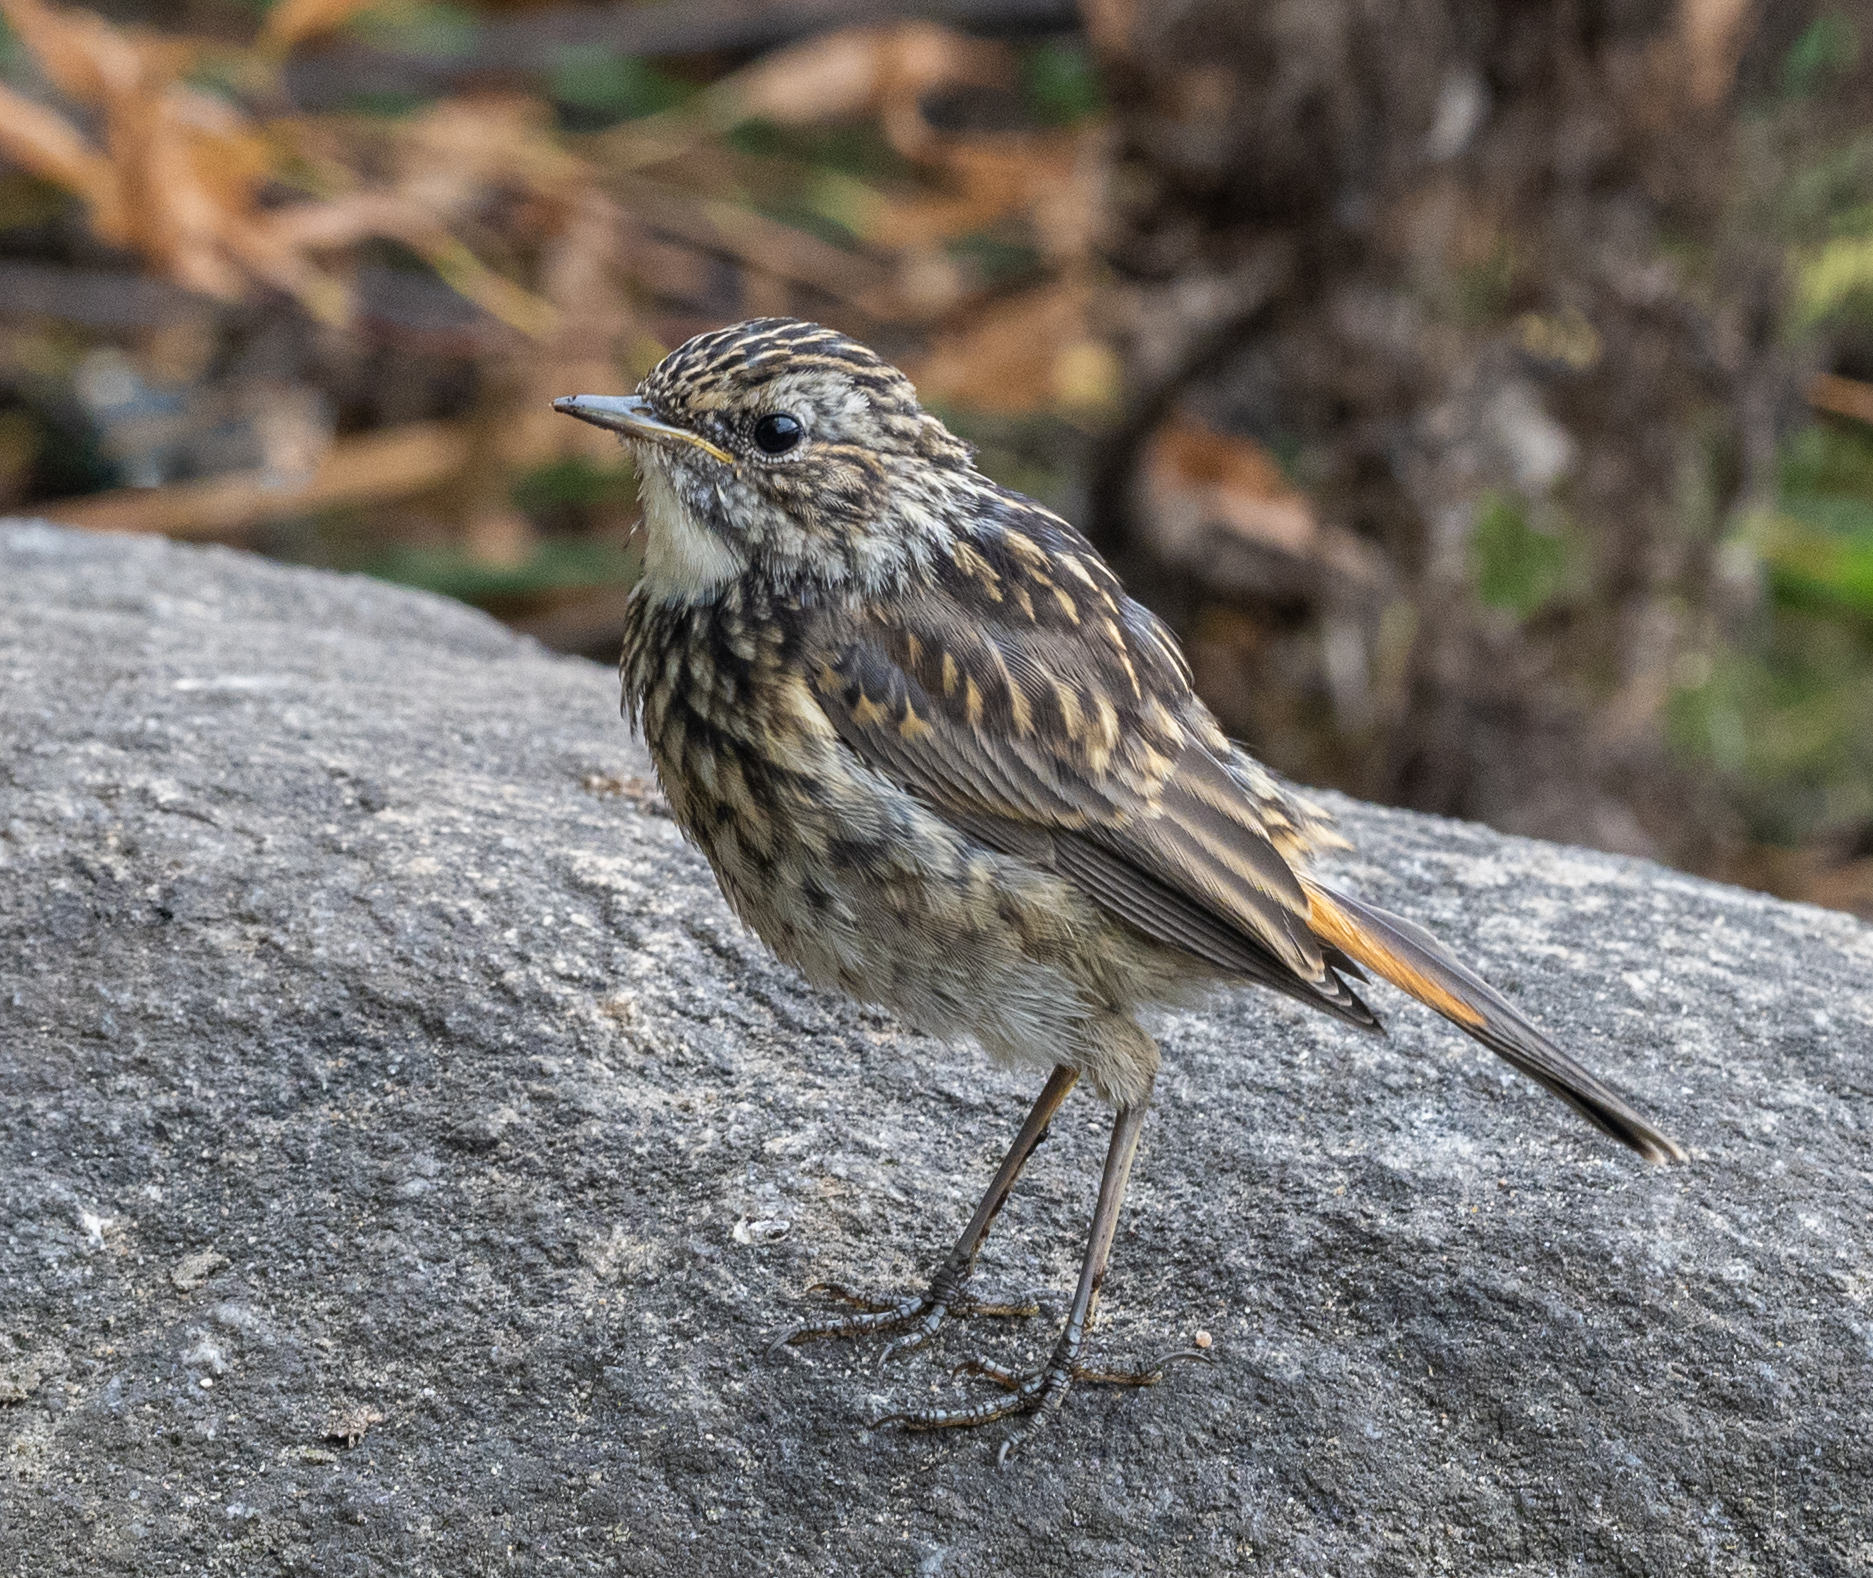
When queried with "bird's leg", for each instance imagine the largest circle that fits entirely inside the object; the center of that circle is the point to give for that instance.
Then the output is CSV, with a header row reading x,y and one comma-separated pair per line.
x,y
924,1313
1040,1392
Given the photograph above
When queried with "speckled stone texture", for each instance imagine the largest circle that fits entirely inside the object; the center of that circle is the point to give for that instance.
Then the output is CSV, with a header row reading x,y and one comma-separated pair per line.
x,y
405,1160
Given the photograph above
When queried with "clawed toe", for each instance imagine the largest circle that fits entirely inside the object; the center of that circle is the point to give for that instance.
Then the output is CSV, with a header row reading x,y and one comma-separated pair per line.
x,y
924,1314
1037,1393
875,1315
859,1301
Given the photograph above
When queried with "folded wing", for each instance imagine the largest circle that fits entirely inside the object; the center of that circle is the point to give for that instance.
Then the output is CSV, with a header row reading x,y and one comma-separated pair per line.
x,y
1024,698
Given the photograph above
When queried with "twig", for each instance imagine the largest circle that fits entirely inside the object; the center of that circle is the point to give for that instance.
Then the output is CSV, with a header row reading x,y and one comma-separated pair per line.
x,y
385,465
539,40
1842,396
756,240
97,298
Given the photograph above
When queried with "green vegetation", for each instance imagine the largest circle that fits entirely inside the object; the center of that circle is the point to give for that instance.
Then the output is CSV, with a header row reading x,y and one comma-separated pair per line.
x,y
556,565
432,29
1828,48
1060,84
604,87
573,483
1517,568
1785,714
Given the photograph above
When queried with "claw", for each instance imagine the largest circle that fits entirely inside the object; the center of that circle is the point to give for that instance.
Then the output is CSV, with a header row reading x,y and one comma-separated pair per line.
x,y
924,1313
944,1297
917,1336
860,1301
989,1370
1037,1393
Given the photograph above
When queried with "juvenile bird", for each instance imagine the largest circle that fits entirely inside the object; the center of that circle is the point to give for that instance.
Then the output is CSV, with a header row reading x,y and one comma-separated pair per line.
x,y
941,762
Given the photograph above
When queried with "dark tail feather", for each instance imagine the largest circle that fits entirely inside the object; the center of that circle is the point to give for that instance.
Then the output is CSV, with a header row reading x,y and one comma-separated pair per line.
x,y
1417,963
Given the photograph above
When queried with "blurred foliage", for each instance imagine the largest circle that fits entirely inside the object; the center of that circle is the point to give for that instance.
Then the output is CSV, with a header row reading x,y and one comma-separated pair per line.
x,y
1828,48
1782,710
419,254
595,87
1786,716
1518,569
1061,83
557,565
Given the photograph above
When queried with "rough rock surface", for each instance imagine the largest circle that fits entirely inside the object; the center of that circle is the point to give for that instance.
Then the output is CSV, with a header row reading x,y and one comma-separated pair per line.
x,y
405,1158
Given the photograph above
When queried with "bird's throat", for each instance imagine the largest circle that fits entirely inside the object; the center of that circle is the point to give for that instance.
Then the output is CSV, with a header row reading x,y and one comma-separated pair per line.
x,y
685,560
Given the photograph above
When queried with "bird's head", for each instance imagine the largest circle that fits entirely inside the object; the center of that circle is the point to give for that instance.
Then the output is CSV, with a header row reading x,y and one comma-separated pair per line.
x,y
783,449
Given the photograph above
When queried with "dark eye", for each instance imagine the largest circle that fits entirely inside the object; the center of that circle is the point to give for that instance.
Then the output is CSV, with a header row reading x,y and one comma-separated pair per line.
x,y
775,435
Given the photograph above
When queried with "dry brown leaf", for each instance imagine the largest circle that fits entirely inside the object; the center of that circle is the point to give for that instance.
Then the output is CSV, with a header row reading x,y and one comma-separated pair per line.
x,y
190,168
83,56
1842,396
1031,352
1200,481
44,143
860,71
1044,177
180,172
838,76
292,22
178,167
1233,480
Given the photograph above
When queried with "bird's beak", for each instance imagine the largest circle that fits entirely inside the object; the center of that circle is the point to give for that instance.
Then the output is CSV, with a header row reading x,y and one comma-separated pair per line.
x,y
632,416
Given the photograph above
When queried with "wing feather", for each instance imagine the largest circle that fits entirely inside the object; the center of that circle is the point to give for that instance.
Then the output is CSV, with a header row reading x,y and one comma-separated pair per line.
x,y
1025,699
1025,690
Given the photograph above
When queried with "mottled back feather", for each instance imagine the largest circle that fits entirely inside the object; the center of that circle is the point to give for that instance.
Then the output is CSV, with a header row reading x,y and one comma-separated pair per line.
x,y
1020,692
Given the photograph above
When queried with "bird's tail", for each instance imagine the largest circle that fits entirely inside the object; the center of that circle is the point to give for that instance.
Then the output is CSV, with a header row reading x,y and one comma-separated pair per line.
x,y
1418,964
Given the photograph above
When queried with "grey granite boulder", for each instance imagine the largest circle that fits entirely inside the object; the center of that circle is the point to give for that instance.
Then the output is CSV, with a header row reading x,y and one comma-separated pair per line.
x,y
405,1160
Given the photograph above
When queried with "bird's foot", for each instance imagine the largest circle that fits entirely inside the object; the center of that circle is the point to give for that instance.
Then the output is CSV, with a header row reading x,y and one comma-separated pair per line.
x,y
923,1313
1036,1393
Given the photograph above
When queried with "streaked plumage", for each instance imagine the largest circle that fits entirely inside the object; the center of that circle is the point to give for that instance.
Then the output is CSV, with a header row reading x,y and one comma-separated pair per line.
x,y
939,760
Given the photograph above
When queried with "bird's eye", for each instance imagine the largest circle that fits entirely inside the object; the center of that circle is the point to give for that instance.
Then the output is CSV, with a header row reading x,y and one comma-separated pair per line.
x,y
775,435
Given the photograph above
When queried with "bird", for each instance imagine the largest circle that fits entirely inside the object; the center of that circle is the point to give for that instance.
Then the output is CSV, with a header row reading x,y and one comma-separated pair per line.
x,y
940,762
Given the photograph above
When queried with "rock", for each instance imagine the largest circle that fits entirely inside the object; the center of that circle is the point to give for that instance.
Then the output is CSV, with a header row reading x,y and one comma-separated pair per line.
x,y
20,1378
341,930
193,1270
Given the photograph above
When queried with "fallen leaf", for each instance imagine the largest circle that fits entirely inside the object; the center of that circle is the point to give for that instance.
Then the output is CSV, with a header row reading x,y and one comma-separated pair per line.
x,y
294,21
1032,352
1842,396
1199,482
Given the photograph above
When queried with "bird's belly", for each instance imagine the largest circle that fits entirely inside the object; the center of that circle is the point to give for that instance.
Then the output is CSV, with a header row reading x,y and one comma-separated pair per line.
x,y
954,940
866,891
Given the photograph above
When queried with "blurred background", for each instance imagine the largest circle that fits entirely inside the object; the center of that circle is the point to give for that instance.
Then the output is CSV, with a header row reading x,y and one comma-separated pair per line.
x,y
1483,390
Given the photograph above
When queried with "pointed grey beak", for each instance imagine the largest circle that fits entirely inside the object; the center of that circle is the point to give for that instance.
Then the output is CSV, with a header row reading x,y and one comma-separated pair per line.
x,y
632,416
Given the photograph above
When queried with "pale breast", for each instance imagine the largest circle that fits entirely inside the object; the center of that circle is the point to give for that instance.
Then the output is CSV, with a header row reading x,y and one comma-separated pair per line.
x,y
852,880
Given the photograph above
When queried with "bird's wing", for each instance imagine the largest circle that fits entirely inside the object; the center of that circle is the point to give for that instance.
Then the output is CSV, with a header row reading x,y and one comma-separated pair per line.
x,y
1022,696
1026,699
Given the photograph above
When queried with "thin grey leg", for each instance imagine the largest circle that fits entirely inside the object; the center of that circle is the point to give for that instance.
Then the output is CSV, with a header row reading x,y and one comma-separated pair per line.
x,y
925,1314
1041,1391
